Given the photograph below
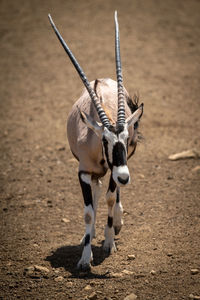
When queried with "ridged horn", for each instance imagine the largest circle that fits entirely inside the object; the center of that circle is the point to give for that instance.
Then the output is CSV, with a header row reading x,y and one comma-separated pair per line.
x,y
102,115
121,105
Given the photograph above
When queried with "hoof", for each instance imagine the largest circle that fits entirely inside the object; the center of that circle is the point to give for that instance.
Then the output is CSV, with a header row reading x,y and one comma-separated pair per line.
x,y
83,267
109,248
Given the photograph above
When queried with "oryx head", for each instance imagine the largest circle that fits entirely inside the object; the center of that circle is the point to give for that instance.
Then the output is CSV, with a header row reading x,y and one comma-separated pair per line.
x,y
114,137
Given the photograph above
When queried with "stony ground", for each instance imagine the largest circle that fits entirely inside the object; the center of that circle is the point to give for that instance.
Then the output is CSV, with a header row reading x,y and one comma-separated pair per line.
x,y
41,205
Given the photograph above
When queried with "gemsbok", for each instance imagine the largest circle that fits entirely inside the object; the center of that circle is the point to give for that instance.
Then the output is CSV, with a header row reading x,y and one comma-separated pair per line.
x,y
102,130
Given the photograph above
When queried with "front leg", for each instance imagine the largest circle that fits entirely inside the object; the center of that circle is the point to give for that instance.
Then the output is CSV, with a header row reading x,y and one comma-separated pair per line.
x,y
109,244
118,214
86,183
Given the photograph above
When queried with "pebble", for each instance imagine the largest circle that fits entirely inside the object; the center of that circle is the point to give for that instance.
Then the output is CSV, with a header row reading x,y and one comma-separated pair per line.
x,y
192,153
127,272
131,257
131,297
88,288
92,296
194,271
153,272
64,220
59,279
116,275
41,269
69,284
191,296
29,269
196,170
121,274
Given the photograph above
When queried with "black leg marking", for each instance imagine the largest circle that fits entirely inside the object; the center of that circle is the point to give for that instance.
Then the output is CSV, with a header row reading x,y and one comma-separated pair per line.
x,y
110,221
118,195
112,185
87,239
86,190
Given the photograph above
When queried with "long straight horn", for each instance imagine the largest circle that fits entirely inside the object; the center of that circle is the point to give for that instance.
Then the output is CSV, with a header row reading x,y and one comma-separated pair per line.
x,y
121,106
102,115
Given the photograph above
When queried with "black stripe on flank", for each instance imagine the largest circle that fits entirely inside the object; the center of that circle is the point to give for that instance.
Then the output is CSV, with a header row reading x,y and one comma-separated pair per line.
x,y
110,221
119,155
87,239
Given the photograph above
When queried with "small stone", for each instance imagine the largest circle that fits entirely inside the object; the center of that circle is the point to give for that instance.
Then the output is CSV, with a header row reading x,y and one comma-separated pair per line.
x,y
64,220
116,275
72,160
57,271
131,257
127,272
196,170
192,153
93,296
153,272
29,269
69,284
93,282
88,288
41,269
60,148
131,297
59,279
191,296
194,271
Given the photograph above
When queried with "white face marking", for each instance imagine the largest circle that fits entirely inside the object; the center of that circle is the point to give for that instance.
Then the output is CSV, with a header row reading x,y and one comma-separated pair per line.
x,y
123,136
121,175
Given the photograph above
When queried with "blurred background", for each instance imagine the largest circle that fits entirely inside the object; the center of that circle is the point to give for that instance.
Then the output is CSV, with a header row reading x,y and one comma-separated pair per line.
x,y
160,53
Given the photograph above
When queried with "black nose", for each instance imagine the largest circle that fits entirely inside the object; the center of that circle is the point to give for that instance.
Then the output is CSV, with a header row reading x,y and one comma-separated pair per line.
x,y
123,180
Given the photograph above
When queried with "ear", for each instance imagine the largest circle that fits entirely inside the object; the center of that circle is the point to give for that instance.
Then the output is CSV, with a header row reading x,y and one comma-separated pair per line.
x,y
95,126
132,119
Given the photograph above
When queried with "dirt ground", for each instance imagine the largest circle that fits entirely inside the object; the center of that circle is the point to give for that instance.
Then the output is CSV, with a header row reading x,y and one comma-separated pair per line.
x,y
41,204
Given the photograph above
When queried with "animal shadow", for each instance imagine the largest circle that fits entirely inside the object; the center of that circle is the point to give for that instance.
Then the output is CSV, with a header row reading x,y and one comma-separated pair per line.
x,y
67,257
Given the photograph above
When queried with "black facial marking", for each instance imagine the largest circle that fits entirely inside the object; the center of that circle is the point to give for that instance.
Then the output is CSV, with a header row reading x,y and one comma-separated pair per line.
x,y
87,239
105,143
119,155
110,221
86,190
